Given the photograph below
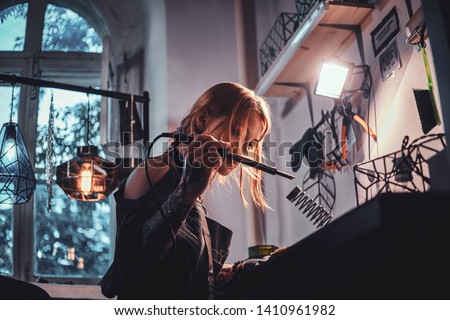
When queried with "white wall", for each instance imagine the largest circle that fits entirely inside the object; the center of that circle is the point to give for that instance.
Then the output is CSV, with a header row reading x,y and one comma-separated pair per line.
x,y
202,51
189,46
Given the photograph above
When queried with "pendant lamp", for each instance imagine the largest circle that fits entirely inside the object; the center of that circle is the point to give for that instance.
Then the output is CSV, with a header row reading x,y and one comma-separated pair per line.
x,y
87,177
17,180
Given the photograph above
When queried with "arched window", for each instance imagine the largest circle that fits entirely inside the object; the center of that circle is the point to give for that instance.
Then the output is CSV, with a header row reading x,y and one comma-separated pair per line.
x,y
65,30
13,21
58,41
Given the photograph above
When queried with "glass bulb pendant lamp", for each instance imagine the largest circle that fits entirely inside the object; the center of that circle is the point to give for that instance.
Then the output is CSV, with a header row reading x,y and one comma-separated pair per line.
x,y
17,180
87,177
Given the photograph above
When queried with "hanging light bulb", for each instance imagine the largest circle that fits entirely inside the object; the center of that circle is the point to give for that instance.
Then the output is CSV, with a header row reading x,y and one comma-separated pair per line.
x,y
10,150
71,253
87,177
17,181
80,263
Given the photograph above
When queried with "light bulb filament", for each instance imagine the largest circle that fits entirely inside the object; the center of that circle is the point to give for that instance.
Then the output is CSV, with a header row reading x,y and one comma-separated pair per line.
x,y
86,181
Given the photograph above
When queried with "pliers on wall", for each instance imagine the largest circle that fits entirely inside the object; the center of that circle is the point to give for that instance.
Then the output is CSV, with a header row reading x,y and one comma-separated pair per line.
x,y
344,108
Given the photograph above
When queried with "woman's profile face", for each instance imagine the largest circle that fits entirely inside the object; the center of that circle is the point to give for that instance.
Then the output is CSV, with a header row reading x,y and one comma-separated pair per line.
x,y
243,140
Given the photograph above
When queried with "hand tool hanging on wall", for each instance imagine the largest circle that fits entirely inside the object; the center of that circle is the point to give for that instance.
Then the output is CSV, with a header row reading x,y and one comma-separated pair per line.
x,y
425,101
344,108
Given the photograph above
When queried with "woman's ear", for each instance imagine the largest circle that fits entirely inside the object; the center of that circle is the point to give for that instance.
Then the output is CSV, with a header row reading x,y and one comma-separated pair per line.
x,y
200,121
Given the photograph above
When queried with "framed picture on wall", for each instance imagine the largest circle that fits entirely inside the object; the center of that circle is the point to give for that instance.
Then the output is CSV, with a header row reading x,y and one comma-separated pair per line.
x,y
390,61
385,31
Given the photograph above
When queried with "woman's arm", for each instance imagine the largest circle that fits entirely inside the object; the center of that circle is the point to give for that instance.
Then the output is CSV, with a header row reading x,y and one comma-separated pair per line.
x,y
162,227
201,160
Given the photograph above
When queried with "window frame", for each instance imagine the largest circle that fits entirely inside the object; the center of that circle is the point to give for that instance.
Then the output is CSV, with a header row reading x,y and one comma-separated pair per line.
x,y
31,62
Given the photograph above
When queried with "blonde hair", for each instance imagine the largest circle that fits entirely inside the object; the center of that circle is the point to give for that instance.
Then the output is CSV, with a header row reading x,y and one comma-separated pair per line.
x,y
231,104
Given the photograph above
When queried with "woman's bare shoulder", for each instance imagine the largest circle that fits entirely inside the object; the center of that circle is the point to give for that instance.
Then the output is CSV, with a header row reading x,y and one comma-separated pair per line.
x,y
137,184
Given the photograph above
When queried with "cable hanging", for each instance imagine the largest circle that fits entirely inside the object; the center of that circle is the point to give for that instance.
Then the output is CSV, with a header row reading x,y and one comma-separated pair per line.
x,y
49,158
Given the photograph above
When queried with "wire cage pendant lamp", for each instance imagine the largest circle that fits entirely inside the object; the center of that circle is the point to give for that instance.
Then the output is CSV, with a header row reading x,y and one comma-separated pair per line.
x,y
17,180
87,177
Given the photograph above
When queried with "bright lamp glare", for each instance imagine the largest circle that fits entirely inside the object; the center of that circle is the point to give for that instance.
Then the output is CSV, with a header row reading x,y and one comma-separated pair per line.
x,y
331,80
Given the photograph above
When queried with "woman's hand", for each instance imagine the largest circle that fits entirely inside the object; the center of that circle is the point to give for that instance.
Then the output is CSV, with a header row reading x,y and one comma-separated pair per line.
x,y
202,159
225,274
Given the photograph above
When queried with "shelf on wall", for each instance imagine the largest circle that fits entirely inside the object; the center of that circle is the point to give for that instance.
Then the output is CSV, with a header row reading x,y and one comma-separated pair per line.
x,y
299,61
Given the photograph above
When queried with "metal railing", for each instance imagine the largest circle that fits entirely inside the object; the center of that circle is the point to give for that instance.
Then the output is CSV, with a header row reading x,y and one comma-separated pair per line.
x,y
304,7
280,33
282,30
288,23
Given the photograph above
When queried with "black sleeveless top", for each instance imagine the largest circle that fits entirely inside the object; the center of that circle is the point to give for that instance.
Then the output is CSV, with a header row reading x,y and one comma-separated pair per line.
x,y
183,272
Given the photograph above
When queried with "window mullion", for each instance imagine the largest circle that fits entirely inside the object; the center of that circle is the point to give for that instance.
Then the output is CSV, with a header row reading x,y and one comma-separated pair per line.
x,y
23,217
35,25
27,118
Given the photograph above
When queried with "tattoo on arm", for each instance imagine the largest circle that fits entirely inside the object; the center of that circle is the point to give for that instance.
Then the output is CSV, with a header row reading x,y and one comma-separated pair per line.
x,y
159,231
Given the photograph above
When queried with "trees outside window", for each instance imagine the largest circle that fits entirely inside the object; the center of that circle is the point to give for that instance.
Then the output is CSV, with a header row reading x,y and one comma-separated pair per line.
x,y
72,240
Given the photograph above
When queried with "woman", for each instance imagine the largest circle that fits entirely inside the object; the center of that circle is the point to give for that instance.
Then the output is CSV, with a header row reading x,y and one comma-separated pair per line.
x,y
166,247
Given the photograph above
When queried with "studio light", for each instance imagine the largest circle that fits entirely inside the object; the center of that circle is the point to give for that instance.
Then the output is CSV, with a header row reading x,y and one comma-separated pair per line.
x,y
335,76
336,80
332,79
